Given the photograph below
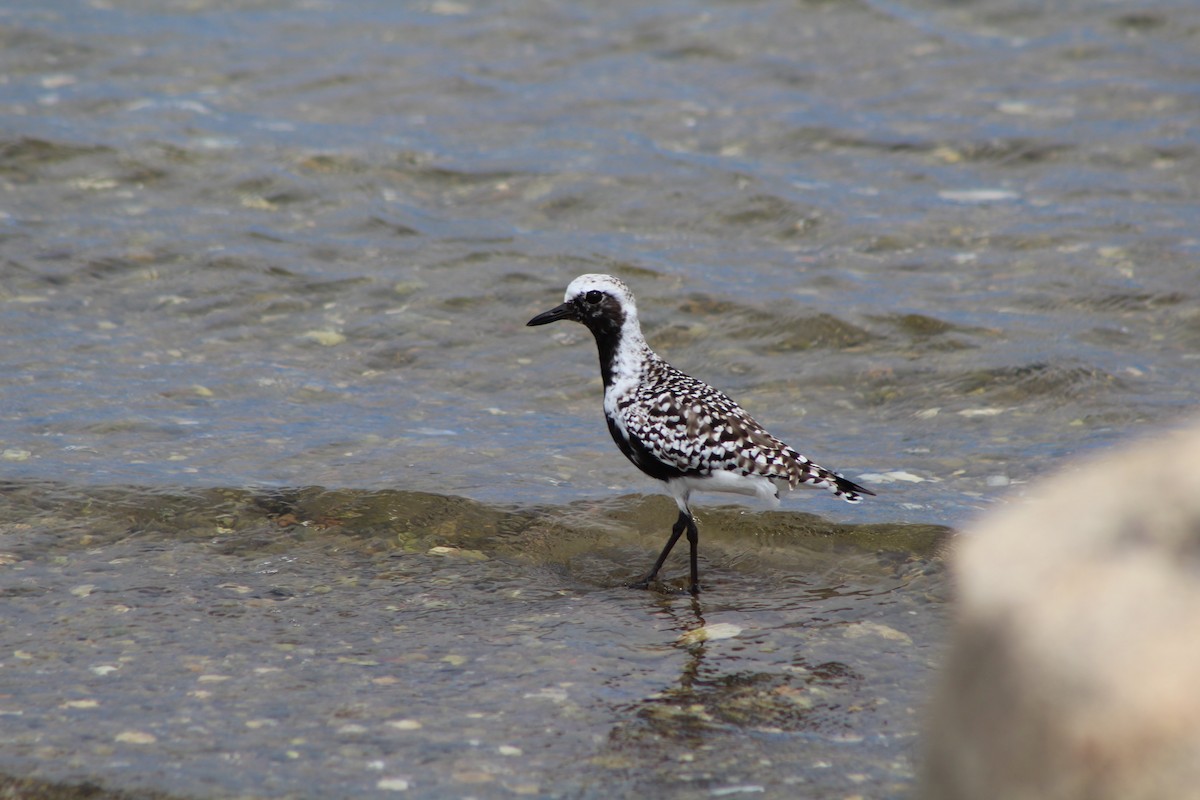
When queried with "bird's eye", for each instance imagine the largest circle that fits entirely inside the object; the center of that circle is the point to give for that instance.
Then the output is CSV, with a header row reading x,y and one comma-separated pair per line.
x,y
594,296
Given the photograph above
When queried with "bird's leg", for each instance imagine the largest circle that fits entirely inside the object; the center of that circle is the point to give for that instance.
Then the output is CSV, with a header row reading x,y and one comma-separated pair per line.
x,y
693,537
684,522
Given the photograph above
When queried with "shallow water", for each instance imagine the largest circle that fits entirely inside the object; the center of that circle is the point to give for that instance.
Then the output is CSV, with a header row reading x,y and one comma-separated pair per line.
x,y
315,643
258,246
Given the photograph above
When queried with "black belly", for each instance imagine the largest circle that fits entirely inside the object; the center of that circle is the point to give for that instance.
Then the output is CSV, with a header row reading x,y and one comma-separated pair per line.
x,y
641,456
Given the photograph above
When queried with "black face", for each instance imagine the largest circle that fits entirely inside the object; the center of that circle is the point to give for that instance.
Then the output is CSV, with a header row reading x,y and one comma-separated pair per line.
x,y
598,310
603,315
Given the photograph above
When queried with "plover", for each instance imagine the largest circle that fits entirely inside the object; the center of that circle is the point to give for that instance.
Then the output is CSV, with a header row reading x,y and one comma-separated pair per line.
x,y
676,428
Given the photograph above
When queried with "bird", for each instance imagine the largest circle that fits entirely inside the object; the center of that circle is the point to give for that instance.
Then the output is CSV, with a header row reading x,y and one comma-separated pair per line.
x,y
675,428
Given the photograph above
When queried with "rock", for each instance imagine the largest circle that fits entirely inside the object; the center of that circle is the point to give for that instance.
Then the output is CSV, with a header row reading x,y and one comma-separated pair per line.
x,y
1074,665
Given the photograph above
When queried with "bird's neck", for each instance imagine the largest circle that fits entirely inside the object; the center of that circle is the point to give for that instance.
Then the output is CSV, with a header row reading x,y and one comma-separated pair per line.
x,y
624,354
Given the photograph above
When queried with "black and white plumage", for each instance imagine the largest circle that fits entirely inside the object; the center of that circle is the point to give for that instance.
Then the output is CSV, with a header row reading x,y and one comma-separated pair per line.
x,y
676,428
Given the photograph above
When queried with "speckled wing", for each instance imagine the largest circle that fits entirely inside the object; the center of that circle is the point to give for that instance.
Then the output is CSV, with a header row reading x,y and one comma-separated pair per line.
x,y
690,426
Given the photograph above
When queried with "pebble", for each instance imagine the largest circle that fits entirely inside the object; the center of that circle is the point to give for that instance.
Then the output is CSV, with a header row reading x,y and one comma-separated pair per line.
x,y
726,791
405,724
325,338
977,195
858,629
392,784
891,477
981,412
718,630
80,704
473,776
457,552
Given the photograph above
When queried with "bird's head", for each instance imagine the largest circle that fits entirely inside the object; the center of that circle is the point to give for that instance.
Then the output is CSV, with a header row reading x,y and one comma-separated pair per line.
x,y
601,302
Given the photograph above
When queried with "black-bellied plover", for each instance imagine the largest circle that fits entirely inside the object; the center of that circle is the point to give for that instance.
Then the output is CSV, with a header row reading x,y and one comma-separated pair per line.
x,y
676,428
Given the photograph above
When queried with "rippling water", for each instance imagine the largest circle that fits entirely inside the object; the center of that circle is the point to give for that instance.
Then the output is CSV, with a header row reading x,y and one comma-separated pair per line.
x,y
260,246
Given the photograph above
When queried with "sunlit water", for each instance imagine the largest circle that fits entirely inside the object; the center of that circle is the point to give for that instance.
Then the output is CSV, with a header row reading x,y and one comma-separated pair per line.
x,y
258,247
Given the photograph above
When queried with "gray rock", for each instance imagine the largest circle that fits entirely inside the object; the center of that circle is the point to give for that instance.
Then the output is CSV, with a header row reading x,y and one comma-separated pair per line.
x,y
1074,666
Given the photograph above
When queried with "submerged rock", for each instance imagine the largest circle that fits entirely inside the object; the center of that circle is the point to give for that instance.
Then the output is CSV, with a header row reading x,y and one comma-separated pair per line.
x,y
1073,667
